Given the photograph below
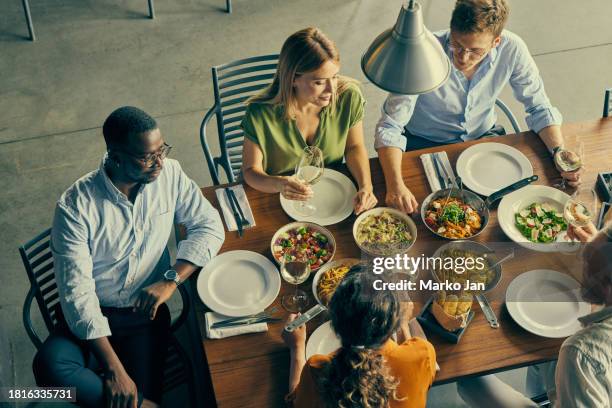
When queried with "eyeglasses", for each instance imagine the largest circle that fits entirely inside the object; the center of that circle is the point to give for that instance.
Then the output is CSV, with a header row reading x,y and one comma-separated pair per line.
x,y
149,159
471,52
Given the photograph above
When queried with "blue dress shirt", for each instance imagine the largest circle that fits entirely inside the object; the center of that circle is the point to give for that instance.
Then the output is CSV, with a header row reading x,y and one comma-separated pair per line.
x,y
106,249
463,109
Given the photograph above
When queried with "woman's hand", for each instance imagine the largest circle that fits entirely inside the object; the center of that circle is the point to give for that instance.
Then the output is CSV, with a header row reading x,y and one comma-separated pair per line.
x,y
582,234
292,189
296,339
364,200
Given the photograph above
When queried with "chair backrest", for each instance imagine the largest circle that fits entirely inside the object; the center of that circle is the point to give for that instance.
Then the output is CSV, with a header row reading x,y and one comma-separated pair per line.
x,y
511,118
233,84
607,107
38,262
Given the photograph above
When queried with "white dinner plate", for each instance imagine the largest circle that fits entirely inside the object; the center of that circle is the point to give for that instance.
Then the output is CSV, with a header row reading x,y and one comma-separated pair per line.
x,y
488,167
333,198
239,283
520,199
528,300
322,341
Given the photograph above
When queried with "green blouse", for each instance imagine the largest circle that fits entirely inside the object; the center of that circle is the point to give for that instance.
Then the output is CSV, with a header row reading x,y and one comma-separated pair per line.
x,y
281,141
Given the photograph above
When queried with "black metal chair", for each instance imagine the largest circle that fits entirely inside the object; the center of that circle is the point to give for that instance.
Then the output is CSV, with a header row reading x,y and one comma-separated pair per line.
x,y
607,107
233,84
38,262
28,15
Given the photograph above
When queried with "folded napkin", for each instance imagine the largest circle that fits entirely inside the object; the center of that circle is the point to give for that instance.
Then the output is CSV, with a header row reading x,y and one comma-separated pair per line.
x,y
223,332
226,207
430,170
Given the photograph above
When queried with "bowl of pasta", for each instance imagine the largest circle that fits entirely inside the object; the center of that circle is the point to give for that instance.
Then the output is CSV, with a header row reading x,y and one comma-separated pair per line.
x,y
327,279
454,214
384,231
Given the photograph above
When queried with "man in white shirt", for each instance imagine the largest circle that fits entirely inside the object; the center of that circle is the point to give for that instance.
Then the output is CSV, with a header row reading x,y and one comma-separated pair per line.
x,y
112,266
485,58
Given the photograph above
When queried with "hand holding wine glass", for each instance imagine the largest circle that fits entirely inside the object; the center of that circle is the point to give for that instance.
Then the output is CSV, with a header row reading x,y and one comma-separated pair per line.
x,y
569,163
308,171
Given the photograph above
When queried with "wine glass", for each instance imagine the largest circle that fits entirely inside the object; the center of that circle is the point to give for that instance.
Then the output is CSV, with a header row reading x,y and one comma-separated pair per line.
x,y
568,161
295,269
581,207
309,170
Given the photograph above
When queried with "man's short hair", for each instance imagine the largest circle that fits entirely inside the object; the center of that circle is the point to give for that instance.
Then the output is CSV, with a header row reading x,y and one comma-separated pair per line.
x,y
125,123
480,16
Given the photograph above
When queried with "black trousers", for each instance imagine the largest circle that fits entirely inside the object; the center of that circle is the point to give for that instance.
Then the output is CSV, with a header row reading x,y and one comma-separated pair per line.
x,y
417,143
140,344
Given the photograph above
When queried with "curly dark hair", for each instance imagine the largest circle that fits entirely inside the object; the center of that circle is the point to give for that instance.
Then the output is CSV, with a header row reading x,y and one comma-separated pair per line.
x,y
124,123
364,319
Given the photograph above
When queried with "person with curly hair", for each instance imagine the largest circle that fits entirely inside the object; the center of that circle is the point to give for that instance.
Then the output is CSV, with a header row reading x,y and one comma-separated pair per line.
x,y
371,369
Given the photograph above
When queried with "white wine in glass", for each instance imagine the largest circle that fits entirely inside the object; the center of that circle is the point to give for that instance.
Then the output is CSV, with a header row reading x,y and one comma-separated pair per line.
x,y
568,161
580,209
309,170
295,272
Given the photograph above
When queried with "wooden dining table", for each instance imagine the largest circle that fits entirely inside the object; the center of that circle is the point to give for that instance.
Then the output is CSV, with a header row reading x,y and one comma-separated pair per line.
x,y
253,369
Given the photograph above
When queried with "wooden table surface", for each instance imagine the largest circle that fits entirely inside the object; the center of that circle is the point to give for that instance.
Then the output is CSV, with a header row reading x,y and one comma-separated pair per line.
x,y
255,367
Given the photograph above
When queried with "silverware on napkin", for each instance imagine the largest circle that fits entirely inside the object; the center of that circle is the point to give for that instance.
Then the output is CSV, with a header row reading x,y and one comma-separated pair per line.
x,y
264,314
228,193
248,321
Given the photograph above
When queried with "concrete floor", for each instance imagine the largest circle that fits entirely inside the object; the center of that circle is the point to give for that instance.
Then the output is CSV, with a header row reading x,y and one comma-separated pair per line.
x,y
95,55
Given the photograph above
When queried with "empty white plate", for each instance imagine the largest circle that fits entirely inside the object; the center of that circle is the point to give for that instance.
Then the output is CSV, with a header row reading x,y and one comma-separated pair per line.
x,y
488,167
239,283
546,303
322,341
333,198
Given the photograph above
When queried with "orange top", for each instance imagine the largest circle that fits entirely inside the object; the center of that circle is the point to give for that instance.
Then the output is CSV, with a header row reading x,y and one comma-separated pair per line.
x,y
413,363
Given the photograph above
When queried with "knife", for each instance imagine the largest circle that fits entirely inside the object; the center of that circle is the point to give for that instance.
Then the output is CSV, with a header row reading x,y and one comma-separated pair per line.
x,y
249,321
242,217
488,312
236,215
306,317
506,190
441,166
438,171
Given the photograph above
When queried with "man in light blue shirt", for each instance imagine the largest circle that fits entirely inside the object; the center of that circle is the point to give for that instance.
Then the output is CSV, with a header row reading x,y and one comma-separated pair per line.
x,y
484,59
112,266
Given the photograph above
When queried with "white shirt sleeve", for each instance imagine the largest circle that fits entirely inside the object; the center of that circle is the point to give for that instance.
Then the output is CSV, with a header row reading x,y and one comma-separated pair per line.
x,y
73,267
201,220
395,114
578,381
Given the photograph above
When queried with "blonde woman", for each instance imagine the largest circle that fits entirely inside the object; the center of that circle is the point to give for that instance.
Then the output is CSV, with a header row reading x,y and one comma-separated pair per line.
x,y
307,104
369,370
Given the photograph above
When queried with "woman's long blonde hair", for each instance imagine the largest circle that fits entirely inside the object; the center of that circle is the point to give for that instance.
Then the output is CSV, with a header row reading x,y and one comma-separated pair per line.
x,y
364,319
304,51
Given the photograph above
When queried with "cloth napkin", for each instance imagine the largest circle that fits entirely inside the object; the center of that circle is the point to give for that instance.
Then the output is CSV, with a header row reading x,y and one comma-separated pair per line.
x,y
226,207
223,332
430,169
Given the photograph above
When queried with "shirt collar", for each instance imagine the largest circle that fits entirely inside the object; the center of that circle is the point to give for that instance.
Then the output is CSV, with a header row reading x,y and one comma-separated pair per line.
x,y
596,317
107,184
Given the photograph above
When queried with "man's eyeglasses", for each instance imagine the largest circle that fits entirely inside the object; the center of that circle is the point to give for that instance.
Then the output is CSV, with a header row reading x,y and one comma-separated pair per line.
x,y
149,159
471,52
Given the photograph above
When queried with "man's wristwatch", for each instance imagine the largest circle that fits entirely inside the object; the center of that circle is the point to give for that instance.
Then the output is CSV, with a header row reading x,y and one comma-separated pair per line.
x,y
172,276
554,150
